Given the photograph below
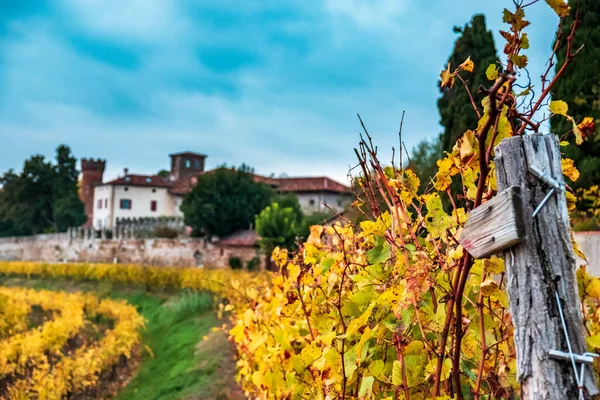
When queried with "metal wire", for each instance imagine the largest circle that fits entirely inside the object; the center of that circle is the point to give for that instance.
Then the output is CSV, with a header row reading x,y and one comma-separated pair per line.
x,y
564,325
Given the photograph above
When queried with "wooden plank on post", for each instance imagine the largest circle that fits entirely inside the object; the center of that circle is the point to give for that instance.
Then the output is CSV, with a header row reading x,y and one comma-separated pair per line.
x,y
495,225
539,267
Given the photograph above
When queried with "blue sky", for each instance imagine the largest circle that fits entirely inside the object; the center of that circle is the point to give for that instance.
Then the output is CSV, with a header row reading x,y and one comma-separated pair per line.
x,y
272,83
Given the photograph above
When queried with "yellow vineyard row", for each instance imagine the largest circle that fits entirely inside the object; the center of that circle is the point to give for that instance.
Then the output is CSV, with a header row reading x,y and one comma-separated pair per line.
x,y
218,281
39,364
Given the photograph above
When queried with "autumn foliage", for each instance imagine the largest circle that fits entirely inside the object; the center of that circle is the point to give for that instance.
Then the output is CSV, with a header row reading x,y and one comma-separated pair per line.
x,y
395,308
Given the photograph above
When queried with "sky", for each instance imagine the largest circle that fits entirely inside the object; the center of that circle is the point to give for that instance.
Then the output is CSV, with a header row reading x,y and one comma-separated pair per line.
x,y
275,84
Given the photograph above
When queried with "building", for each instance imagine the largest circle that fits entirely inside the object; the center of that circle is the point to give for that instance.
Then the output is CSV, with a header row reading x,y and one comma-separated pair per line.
x,y
317,194
134,196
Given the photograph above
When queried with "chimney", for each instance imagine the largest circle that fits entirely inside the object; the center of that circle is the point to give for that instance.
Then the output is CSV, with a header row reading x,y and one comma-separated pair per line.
x,y
126,171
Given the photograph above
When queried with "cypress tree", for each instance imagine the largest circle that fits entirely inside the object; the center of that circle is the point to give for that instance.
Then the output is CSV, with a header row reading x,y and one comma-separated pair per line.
x,y
580,88
456,112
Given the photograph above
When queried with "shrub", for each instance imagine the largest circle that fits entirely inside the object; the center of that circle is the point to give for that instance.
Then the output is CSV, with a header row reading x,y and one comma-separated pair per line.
x,y
165,232
235,263
253,264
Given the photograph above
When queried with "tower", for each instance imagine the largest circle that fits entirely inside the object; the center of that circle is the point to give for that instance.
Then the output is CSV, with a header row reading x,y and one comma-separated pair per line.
x,y
91,174
186,164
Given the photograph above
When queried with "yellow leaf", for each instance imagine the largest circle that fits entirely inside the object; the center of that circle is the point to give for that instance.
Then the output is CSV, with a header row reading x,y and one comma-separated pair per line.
x,y
564,143
493,265
468,145
377,367
447,77
594,341
397,374
310,353
577,249
559,107
467,65
488,287
569,169
359,322
560,7
492,72
576,131
571,201
414,348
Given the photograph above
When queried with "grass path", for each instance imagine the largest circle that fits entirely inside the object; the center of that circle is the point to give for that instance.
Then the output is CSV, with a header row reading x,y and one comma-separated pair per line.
x,y
176,364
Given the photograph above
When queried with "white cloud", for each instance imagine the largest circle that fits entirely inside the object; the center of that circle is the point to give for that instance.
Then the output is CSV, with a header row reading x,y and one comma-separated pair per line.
x,y
126,20
373,14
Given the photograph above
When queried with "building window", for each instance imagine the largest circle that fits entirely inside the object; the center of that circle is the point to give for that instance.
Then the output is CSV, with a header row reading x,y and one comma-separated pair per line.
x,y
126,188
187,163
99,224
125,204
100,203
105,203
339,203
148,180
153,190
153,205
311,202
197,164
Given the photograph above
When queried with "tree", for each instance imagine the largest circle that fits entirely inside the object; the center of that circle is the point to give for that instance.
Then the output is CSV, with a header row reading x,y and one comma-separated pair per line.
x,y
42,198
277,226
163,173
456,111
67,208
455,107
224,201
424,159
580,88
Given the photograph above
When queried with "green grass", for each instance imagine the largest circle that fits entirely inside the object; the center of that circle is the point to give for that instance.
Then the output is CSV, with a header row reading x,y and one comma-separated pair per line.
x,y
177,366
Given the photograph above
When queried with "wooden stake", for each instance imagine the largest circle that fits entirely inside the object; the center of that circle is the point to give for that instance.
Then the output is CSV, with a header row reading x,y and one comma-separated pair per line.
x,y
494,225
536,268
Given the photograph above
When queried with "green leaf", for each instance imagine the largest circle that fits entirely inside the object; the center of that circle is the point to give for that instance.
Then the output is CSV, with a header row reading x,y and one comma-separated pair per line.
x,y
366,387
525,92
558,107
520,60
380,253
492,72
377,367
397,374
524,41
326,264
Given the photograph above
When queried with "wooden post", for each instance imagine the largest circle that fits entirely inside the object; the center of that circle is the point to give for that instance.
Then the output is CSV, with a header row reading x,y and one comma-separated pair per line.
x,y
538,267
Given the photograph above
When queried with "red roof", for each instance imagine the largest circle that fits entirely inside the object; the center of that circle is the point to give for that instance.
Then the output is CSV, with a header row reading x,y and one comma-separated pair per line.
x,y
312,184
247,237
141,180
183,185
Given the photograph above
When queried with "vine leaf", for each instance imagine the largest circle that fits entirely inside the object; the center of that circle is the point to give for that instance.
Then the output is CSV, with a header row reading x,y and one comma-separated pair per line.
x,y
560,7
559,107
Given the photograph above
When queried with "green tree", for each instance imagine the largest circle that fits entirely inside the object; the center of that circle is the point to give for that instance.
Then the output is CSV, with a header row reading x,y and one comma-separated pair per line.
x,y
424,160
67,208
163,173
277,226
456,111
580,88
42,198
224,201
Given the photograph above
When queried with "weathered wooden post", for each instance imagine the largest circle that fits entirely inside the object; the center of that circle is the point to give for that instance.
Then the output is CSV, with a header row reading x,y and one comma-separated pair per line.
x,y
540,270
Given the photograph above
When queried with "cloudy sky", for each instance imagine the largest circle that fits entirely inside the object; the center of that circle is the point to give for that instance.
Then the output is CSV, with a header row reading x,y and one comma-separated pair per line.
x,y
272,83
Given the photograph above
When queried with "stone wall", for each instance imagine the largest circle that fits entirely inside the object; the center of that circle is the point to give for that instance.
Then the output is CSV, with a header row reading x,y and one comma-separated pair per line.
x,y
177,252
